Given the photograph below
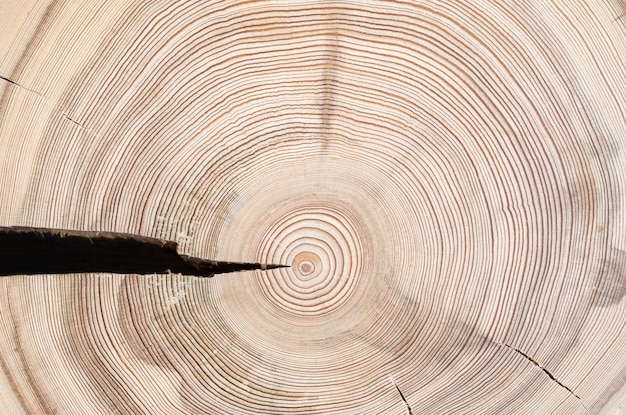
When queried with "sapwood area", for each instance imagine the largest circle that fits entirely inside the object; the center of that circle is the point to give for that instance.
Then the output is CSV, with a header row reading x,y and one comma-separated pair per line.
x,y
446,179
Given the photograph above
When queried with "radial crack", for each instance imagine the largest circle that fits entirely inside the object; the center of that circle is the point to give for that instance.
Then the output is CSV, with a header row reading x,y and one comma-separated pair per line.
x,y
46,102
401,395
75,122
534,362
30,251
18,85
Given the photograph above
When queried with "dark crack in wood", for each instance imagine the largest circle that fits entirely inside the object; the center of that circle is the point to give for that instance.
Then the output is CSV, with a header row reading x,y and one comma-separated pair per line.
x,y
53,108
544,370
18,85
75,122
408,407
30,251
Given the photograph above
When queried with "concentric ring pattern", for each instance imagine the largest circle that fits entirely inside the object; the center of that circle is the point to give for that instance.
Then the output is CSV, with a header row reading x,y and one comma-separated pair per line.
x,y
444,179
325,253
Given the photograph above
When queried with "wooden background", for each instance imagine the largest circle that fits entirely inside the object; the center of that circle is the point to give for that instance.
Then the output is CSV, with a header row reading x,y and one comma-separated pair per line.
x,y
447,180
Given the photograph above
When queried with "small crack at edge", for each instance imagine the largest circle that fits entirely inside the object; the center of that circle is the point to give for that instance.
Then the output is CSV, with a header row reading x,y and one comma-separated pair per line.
x,y
534,362
401,395
41,95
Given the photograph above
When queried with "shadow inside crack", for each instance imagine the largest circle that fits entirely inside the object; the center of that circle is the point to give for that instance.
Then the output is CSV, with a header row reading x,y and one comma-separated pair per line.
x,y
29,251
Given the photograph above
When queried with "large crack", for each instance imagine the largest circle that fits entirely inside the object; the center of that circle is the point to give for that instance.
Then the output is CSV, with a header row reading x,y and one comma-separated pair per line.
x,y
544,370
31,251
401,395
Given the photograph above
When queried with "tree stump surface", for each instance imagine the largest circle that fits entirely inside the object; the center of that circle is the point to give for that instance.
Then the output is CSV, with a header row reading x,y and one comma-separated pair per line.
x,y
446,179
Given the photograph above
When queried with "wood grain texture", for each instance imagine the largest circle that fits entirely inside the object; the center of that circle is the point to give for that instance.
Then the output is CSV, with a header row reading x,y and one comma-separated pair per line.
x,y
447,180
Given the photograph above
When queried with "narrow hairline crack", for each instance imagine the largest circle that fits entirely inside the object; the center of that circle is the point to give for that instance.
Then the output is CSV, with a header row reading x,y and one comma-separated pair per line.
x,y
46,98
401,395
550,375
21,86
75,122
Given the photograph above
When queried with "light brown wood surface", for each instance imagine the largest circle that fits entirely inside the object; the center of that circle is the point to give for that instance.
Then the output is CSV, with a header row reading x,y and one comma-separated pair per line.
x,y
447,180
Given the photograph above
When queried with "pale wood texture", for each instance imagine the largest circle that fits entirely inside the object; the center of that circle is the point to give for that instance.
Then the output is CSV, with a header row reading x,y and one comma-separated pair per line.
x,y
446,178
